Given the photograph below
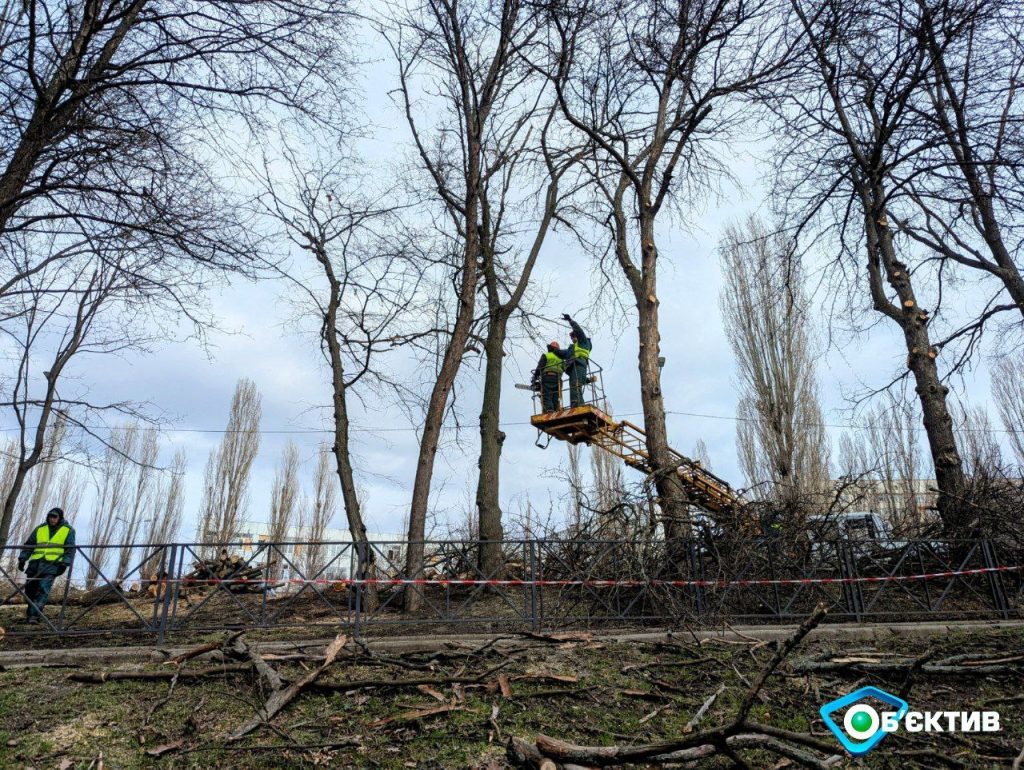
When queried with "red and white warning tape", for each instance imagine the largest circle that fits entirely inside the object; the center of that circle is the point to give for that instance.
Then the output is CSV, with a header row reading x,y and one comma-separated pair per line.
x,y
602,583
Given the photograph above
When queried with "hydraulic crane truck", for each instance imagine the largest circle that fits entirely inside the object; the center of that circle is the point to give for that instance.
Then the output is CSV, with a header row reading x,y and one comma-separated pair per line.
x,y
591,424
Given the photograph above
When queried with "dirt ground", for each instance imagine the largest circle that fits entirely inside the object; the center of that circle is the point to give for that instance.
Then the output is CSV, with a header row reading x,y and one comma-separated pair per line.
x,y
457,707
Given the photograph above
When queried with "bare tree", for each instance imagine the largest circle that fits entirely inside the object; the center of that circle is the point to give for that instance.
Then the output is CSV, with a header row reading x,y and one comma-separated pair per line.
x,y
364,289
607,481
469,51
982,455
39,482
505,282
284,497
69,489
168,503
321,511
965,183
89,88
575,491
226,479
653,86
42,484
131,524
780,432
110,113
881,466
57,316
113,495
843,109
897,464
1008,394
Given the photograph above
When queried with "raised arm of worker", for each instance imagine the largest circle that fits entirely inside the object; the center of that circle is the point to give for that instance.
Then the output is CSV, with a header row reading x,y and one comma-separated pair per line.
x,y
581,336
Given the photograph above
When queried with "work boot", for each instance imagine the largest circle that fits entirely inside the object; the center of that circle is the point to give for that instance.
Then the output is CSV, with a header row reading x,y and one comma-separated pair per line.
x,y
33,620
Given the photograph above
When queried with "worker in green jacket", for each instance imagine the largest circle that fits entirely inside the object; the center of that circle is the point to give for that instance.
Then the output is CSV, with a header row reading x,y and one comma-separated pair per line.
x,y
547,377
577,361
46,555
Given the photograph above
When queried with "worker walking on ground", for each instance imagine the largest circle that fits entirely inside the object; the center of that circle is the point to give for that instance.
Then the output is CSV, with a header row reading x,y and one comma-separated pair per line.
x,y
547,377
46,555
578,361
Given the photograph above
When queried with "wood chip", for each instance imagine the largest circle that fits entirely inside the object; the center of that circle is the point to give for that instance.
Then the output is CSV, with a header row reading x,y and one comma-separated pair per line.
x,y
426,689
159,751
504,686
568,679
411,716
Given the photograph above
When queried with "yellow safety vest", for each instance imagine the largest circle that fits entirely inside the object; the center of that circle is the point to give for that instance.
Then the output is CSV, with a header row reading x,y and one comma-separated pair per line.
x,y
554,364
43,539
580,352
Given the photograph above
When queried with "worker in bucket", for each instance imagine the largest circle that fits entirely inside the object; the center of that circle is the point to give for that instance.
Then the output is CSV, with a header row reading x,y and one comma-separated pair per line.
x,y
547,377
46,555
577,361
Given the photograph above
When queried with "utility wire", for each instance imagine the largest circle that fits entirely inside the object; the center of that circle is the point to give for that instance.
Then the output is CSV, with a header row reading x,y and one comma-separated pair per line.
x,y
381,429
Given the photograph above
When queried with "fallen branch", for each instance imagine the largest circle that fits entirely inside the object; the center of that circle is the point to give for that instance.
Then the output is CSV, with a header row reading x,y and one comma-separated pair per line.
x,y
670,664
752,741
279,746
412,716
899,667
703,709
202,649
280,698
365,684
241,651
737,734
91,677
781,651
163,701
1004,700
525,754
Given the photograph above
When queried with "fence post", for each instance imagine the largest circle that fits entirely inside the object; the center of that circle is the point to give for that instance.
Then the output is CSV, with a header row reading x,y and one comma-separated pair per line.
x,y
848,570
360,574
171,584
776,597
532,577
696,573
995,580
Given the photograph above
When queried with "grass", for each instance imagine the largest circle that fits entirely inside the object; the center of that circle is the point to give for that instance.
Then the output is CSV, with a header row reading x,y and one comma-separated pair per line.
x,y
47,720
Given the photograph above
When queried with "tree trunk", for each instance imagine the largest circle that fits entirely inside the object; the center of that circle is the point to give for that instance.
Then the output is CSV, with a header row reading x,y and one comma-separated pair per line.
x,y
671,493
342,455
11,500
434,419
491,440
921,356
353,510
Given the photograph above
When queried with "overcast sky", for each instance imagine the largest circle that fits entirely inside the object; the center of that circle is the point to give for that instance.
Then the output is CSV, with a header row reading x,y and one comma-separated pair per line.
x,y
194,386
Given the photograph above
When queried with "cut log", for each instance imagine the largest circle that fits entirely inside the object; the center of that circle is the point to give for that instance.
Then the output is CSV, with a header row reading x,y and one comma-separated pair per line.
x,y
108,593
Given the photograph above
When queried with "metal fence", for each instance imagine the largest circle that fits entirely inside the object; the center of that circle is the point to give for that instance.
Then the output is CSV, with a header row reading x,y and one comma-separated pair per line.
x,y
543,584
